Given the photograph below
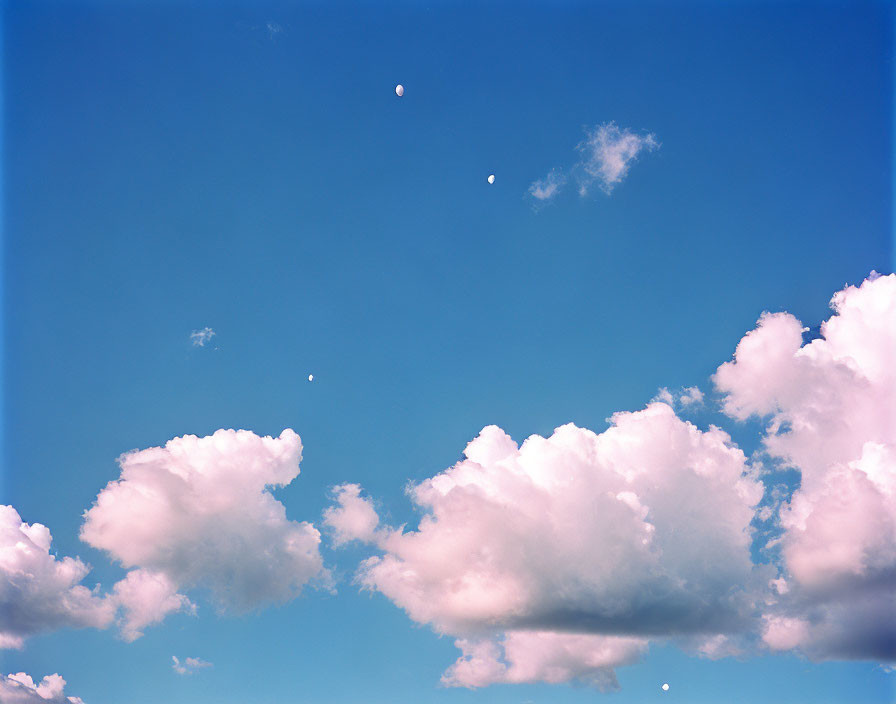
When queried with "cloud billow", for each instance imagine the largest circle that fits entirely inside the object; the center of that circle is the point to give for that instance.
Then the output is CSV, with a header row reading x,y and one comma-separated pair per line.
x,y
197,513
20,688
40,592
831,414
562,558
577,548
200,338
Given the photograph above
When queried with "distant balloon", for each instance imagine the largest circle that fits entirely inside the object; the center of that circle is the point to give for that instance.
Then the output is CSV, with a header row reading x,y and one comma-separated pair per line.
x,y
399,90
665,687
491,178
311,377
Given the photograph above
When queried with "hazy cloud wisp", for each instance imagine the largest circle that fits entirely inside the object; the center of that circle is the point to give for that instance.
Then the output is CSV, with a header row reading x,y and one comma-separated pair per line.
x,y
605,158
188,666
199,338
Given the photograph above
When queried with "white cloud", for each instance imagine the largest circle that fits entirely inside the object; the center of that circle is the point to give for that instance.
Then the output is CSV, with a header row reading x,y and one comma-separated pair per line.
x,y
607,155
538,656
643,531
354,518
38,591
832,415
782,633
665,396
147,598
546,188
188,666
200,337
640,531
689,397
198,513
19,688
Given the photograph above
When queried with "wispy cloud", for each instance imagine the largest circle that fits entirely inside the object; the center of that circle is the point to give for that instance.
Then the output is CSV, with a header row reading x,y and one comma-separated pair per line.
x,y
689,397
199,338
513,621
544,189
608,153
605,158
188,666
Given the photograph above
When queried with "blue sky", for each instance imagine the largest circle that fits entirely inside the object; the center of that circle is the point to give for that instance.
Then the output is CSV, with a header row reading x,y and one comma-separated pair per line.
x,y
172,166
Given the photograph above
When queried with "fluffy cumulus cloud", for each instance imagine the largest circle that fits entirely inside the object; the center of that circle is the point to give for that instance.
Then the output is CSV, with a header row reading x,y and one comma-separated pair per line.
x,y
38,590
831,411
556,559
188,666
353,518
19,688
607,153
147,598
198,513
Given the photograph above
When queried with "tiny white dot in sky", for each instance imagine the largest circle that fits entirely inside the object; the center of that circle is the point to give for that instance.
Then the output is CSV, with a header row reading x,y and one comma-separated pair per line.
x,y
491,178
311,377
399,90
665,687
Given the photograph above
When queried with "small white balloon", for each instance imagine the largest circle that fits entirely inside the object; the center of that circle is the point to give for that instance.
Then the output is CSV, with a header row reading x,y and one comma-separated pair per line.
x,y
399,90
665,687
311,377
491,178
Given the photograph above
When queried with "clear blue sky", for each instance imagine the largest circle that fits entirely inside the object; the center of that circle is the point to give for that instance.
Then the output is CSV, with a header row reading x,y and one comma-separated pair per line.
x,y
171,166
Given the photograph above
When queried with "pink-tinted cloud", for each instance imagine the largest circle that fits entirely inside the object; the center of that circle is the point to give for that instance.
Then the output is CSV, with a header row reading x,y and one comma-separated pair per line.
x,y
608,153
545,189
831,406
147,598
19,688
683,399
539,656
580,530
39,591
197,513
353,518
641,530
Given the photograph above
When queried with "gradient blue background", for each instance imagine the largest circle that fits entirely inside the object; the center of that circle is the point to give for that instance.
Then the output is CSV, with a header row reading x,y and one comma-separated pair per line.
x,y
171,166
